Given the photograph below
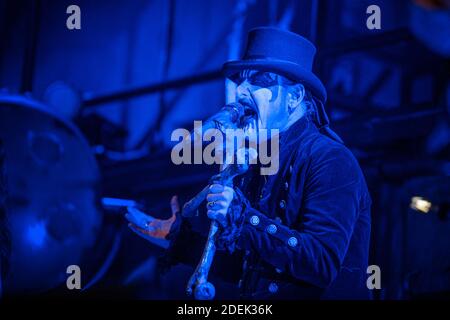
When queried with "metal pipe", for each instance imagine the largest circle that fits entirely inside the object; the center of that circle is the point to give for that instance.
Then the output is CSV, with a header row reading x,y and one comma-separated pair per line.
x,y
149,89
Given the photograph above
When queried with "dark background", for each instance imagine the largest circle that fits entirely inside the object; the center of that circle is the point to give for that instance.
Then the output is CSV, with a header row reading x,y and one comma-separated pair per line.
x,y
137,70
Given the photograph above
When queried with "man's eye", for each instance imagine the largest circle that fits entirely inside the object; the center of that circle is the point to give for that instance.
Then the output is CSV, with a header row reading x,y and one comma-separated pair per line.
x,y
238,79
262,80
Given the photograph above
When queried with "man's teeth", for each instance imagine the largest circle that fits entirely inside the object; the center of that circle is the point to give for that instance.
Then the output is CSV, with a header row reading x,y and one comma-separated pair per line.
x,y
250,126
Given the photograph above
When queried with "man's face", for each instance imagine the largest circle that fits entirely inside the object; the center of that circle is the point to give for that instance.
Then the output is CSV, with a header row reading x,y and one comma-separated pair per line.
x,y
267,94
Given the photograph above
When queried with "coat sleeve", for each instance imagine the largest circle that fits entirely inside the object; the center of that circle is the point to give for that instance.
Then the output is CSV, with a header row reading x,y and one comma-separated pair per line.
x,y
313,249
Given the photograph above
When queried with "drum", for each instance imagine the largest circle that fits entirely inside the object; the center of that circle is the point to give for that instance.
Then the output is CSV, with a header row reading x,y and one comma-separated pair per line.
x,y
53,216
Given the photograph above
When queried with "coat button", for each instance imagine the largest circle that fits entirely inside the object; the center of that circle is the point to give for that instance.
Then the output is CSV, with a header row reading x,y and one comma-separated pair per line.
x,y
254,220
273,287
278,270
292,241
282,204
290,169
286,186
271,228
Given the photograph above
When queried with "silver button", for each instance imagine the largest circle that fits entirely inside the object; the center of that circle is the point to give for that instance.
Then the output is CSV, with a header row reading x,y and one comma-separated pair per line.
x,y
271,228
278,270
290,169
286,186
254,220
282,204
292,241
273,287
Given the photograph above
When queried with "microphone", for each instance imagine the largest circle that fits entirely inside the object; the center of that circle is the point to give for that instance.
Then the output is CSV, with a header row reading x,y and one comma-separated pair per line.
x,y
227,118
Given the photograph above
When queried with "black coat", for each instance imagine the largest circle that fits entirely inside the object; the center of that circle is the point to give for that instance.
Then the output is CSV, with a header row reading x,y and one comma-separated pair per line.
x,y
306,229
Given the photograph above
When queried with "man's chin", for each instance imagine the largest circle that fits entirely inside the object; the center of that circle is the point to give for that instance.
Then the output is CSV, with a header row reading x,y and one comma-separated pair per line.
x,y
263,124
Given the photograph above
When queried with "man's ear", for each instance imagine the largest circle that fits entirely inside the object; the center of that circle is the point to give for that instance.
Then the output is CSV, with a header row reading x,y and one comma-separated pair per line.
x,y
296,94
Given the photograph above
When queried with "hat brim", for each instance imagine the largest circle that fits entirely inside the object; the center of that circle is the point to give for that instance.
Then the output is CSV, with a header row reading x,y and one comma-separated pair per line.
x,y
284,68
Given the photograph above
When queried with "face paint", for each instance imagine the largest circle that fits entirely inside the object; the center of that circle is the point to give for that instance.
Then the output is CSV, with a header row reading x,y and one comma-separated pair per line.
x,y
265,93
274,91
257,78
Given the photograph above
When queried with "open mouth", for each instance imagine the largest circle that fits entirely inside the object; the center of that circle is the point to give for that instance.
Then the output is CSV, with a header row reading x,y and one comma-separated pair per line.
x,y
250,112
249,120
250,108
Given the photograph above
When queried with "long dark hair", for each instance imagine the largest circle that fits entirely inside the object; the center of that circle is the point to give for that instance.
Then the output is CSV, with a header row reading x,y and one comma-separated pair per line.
x,y
315,112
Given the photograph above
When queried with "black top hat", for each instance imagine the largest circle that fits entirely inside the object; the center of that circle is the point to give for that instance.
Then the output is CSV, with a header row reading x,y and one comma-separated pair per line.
x,y
282,52
288,54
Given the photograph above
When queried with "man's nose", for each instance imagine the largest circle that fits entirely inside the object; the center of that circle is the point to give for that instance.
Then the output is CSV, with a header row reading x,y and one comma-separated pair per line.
x,y
243,89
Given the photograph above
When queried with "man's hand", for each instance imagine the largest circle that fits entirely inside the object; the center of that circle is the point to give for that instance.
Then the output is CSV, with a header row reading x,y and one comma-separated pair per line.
x,y
218,201
146,226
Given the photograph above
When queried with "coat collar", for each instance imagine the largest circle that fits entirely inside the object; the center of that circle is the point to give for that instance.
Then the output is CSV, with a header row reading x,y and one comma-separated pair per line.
x,y
296,132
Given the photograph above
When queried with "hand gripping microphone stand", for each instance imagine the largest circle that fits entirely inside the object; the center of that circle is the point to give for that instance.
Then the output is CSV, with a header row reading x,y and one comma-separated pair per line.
x,y
198,282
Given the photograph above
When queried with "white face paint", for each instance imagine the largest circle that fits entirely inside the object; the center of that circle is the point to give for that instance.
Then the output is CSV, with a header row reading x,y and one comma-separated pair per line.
x,y
263,92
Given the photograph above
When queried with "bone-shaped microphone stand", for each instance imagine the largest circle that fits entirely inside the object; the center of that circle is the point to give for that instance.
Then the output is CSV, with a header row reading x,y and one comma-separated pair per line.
x,y
198,282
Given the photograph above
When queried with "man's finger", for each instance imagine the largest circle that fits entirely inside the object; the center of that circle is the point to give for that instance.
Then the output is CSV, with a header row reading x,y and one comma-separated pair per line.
x,y
216,188
216,205
228,193
132,218
174,205
136,212
215,197
138,217
138,230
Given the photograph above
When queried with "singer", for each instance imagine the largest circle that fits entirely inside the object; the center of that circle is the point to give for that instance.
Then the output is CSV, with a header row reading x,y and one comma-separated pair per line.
x,y
302,233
